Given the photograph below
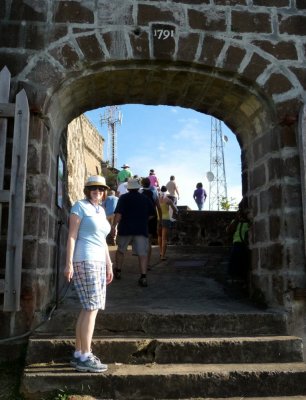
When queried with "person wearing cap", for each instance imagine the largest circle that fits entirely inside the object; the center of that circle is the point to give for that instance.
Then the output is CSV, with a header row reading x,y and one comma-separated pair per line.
x,y
132,214
88,263
124,174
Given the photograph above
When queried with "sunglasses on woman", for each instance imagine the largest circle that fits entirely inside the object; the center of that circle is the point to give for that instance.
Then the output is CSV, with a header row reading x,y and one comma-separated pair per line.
x,y
100,188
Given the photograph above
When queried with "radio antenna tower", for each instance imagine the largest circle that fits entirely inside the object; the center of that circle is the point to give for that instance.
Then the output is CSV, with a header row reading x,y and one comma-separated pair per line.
x,y
112,117
216,176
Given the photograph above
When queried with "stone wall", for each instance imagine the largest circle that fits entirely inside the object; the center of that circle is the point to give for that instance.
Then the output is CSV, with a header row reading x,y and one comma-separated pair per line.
x,y
242,61
84,155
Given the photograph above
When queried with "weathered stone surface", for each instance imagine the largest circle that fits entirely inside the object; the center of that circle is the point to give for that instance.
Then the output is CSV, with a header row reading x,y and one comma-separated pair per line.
x,y
29,11
91,48
277,83
210,50
300,4
151,13
293,25
233,59
72,11
251,22
207,21
280,50
255,67
66,55
272,3
140,44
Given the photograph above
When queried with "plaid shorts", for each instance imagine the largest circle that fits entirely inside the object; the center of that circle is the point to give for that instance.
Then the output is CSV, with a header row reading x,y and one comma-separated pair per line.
x,y
89,279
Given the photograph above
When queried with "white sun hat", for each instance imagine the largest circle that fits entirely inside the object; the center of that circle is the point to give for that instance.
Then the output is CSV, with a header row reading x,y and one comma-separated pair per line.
x,y
96,180
133,184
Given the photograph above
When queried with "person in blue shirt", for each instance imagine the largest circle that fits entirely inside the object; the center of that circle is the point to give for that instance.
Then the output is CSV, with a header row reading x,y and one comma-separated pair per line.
x,y
110,204
88,263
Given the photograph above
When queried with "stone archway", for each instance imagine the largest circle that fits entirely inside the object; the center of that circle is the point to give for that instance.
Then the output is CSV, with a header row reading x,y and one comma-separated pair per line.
x,y
244,64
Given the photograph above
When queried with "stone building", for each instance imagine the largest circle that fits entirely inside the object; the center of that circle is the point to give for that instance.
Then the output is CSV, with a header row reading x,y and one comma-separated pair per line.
x,y
242,61
84,155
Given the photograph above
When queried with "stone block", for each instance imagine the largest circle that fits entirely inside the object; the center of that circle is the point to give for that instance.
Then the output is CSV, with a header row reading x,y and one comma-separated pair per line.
x,y
280,50
255,67
187,46
271,257
140,44
73,12
29,11
31,221
29,255
9,35
293,225
91,48
274,227
243,21
211,49
292,195
34,159
292,25
119,12
300,4
291,167
272,3
151,13
288,136
260,231
45,74
287,111
270,199
163,41
300,74
34,37
258,177
210,20
275,166
233,59
191,2
276,84
230,2
66,55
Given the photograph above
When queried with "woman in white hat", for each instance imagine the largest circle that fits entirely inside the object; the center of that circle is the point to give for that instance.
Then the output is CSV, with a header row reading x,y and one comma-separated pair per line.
x,y
88,262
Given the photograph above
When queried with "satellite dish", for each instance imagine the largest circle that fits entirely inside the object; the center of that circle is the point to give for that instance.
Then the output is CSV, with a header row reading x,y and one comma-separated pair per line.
x,y
210,176
225,138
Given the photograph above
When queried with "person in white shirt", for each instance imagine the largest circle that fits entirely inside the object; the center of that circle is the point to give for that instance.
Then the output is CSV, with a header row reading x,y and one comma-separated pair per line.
x,y
173,190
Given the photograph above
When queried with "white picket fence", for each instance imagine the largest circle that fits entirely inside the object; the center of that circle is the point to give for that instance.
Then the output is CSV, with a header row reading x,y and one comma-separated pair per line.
x,y
15,196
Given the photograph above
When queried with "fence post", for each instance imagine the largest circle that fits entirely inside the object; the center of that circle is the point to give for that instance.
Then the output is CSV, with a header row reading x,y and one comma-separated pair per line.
x,y
13,266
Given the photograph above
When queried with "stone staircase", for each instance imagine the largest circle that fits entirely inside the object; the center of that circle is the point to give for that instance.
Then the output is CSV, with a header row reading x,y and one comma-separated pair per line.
x,y
205,350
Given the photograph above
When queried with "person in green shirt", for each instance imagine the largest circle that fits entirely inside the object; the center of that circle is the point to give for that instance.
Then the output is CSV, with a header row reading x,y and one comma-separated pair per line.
x,y
239,263
124,174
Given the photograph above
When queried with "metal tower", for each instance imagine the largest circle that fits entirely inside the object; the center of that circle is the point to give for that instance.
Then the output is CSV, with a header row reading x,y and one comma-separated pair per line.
x,y
216,175
112,117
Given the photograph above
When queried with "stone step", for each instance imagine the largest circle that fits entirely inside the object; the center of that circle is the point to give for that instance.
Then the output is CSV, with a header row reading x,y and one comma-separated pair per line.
x,y
173,350
167,381
144,323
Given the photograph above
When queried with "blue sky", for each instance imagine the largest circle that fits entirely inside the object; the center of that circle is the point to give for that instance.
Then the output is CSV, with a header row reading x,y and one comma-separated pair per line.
x,y
172,141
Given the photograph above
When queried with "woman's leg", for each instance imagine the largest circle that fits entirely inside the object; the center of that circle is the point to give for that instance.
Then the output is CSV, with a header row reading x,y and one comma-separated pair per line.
x,y
85,329
164,241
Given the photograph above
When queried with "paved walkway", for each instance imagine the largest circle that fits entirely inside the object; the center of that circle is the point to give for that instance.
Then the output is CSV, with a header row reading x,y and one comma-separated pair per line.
x,y
192,280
